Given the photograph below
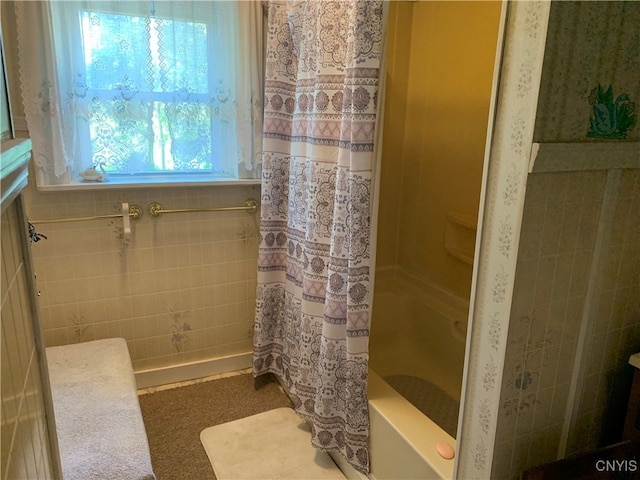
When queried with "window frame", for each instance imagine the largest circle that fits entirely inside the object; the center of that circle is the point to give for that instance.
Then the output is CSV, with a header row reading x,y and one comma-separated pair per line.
x,y
226,174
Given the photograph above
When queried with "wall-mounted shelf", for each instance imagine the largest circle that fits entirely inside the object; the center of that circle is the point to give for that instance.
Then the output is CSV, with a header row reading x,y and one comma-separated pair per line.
x,y
569,157
460,236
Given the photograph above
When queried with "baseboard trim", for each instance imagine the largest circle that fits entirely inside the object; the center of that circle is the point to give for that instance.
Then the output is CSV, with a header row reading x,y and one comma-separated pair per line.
x,y
154,377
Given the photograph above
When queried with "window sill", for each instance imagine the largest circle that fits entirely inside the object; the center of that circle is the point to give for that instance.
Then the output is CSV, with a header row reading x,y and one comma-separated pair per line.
x,y
128,182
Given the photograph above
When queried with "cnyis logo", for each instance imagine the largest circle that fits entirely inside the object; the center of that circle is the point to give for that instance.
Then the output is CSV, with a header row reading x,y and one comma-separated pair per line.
x,y
617,465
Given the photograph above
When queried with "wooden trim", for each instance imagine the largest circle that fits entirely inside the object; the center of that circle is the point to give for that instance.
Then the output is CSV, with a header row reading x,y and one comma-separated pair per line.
x,y
570,157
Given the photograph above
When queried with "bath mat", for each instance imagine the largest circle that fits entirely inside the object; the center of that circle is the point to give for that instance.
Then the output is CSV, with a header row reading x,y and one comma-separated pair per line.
x,y
431,400
271,445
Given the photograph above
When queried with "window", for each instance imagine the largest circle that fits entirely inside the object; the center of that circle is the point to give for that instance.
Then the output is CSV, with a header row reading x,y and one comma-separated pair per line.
x,y
149,88
148,84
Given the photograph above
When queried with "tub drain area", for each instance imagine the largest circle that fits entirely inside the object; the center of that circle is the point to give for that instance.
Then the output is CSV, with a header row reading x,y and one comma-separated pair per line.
x,y
431,400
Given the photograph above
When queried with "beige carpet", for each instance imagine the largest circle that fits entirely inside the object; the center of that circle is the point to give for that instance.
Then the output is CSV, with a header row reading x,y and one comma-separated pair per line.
x,y
273,445
174,419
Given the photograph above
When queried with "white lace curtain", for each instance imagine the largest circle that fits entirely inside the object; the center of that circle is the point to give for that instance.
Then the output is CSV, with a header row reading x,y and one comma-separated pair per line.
x,y
142,86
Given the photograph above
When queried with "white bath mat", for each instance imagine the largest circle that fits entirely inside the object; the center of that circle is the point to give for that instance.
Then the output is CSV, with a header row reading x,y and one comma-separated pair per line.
x,y
271,445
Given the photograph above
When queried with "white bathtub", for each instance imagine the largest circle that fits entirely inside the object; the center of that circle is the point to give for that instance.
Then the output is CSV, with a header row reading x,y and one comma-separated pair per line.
x,y
417,332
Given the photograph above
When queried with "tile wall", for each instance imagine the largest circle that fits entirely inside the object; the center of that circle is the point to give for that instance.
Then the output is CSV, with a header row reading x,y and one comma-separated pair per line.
x,y
395,107
614,333
180,288
556,264
25,442
558,232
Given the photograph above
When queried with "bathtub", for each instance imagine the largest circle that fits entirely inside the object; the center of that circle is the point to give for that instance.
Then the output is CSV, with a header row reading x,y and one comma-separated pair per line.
x,y
417,333
424,338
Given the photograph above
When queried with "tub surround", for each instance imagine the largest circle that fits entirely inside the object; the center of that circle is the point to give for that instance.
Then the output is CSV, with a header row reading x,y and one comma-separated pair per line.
x,y
426,338
438,105
435,125
419,353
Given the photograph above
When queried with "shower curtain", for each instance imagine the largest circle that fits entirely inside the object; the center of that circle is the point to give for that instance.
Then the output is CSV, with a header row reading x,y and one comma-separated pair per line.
x,y
314,292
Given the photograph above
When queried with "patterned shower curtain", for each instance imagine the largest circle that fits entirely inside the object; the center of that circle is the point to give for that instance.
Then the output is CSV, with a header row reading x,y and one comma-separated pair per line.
x,y
314,292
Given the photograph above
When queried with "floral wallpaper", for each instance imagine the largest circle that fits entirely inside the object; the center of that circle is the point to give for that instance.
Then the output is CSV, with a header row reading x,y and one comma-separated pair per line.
x,y
573,247
610,119
590,73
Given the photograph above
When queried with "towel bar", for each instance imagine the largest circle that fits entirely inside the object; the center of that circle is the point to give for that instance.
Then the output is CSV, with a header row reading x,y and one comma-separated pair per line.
x,y
155,209
135,212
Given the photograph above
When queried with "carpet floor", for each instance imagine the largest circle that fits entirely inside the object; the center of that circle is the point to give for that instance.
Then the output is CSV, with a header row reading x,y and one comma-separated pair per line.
x,y
174,419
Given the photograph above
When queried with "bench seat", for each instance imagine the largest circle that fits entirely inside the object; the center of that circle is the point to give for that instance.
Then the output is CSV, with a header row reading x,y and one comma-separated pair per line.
x,y
101,433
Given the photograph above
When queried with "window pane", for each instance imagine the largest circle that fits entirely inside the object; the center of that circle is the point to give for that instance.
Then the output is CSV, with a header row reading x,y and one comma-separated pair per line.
x,y
147,78
189,128
119,132
154,54
115,47
146,137
180,58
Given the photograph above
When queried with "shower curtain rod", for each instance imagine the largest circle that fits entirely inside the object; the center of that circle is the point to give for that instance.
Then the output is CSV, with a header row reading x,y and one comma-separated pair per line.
x,y
155,209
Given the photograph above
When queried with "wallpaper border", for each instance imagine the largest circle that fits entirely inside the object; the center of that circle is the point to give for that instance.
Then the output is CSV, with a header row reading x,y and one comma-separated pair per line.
x,y
502,208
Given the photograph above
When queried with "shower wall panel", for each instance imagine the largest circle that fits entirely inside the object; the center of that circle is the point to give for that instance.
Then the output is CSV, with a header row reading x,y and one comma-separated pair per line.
x,y
395,107
440,69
